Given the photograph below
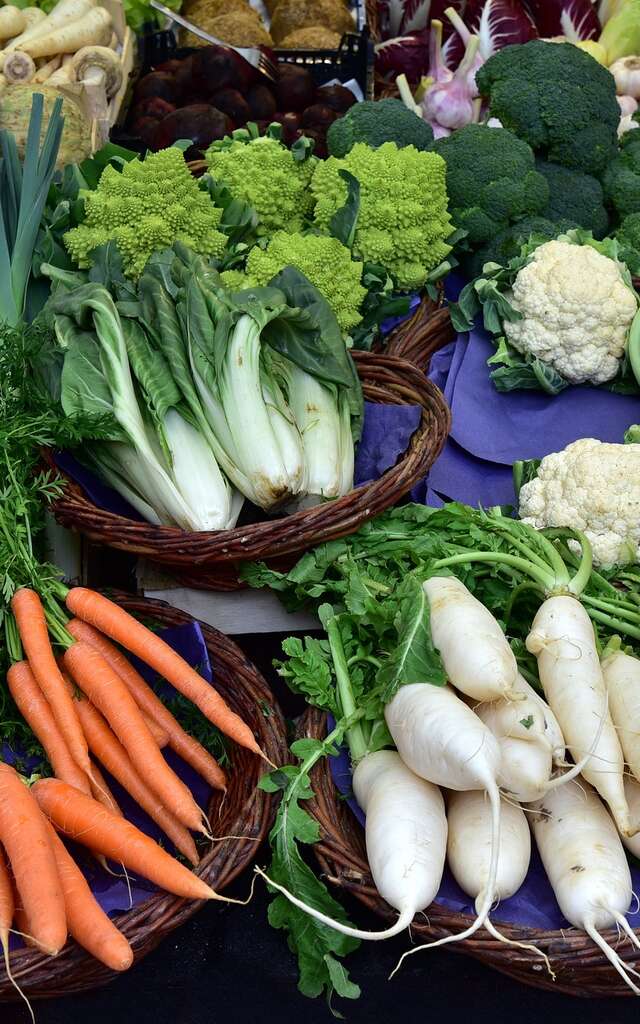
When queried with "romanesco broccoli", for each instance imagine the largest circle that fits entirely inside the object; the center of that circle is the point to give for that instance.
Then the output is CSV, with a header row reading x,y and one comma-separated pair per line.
x,y
146,207
324,260
237,280
557,98
403,221
375,122
265,174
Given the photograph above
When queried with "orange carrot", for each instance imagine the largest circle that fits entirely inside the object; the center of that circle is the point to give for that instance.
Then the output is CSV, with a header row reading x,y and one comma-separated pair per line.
x,y
88,923
32,626
105,689
23,833
131,634
35,710
100,790
114,757
160,735
185,745
91,824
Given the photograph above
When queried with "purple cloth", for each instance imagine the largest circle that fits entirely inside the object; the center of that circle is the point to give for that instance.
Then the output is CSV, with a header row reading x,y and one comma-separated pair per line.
x,y
112,893
386,432
491,430
533,906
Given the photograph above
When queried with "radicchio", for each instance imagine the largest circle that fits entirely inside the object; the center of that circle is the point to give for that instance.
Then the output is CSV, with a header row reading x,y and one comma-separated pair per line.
x,y
407,17
498,23
575,19
405,55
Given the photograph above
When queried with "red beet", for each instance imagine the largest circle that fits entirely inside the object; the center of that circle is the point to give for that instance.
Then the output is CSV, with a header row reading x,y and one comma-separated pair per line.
x,y
318,116
145,128
200,122
154,106
233,104
290,124
262,103
336,97
157,83
295,88
218,67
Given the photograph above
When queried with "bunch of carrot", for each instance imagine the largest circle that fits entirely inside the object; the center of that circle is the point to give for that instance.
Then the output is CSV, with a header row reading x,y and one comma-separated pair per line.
x,y
90,702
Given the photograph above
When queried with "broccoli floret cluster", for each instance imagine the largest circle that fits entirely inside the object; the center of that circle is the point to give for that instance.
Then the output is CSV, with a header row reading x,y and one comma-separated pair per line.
x,y
324,260
628,236
622,177
558,99
375,122
146,207
491,180
403,222
262,172
506,245
574,197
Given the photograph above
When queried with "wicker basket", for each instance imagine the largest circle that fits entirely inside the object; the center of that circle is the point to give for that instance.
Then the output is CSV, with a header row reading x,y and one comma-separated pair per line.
x,y
245,811
209,560
580,967
428,330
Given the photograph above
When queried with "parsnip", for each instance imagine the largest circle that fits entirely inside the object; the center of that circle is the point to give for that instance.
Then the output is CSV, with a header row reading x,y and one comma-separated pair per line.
x,y
12,21
90,29
46,70
65,12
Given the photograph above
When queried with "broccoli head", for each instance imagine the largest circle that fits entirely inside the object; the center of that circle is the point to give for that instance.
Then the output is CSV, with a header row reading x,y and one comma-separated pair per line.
x,y
375,122
506,245
574,197
622,177
262,172
323,260
403,221
491,180
557,98
146,207
628,235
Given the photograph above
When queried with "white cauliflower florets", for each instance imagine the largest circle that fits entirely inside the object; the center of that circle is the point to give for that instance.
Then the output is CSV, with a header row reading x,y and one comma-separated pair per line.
x,y
576,311
594,487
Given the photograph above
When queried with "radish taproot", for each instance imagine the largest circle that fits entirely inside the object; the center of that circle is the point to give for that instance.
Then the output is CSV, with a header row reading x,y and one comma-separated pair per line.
x,y
406,837
622,679
441,739
474,650
563,641
586,865
552,729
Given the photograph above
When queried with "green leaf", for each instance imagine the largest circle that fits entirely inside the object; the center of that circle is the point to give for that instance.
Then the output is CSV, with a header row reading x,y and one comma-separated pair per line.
x,y
344,222
340,979
308,671
527,722
414,659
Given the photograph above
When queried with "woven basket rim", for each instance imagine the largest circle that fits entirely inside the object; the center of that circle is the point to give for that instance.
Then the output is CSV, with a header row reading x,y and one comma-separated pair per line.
x,y
246,810
581,968
387,379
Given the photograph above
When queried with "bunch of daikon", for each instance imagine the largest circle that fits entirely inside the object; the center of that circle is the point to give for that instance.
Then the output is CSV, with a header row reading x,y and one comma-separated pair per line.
x,y
492,743
75,43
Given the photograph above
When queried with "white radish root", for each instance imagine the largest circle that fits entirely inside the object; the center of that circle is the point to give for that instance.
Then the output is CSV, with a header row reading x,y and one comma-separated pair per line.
x,y
552,728
474,650
586,865
632,793
469,853
439,738
406,836
563,641
622,679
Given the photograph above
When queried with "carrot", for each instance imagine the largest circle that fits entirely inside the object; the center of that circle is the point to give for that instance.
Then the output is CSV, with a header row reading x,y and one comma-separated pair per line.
x,y
23,833
105,689
7,912
160,735
35,710
180,741
114,757
100,790
88,923
131,634
32,626
91,824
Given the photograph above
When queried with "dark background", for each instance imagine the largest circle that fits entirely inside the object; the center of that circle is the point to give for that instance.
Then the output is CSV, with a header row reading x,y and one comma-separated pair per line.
x,y
227,964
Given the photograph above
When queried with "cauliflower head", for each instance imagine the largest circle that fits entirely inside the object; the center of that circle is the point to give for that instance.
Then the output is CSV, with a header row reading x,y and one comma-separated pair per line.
x,y
325,261
146,207
576,311
403,222
592,486
266,175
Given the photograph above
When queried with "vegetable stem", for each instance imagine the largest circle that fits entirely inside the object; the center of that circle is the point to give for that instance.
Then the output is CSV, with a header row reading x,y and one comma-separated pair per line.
x,y
545,579
354,735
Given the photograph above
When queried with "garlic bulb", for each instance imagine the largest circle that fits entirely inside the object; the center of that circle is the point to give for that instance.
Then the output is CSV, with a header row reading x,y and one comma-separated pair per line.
x,y
627,105
626,72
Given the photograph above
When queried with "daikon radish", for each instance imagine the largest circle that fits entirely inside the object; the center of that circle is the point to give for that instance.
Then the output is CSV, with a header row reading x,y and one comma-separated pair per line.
x,y
552,728
12,21
586,865
90,29
622,679
406,836
632,793
474,650
440,739
563,641
65,12
469,852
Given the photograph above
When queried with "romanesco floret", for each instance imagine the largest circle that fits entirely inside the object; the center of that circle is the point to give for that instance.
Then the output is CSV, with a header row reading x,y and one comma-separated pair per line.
x,y
403,222
146,207
237,280
266,175
557,98
324,260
